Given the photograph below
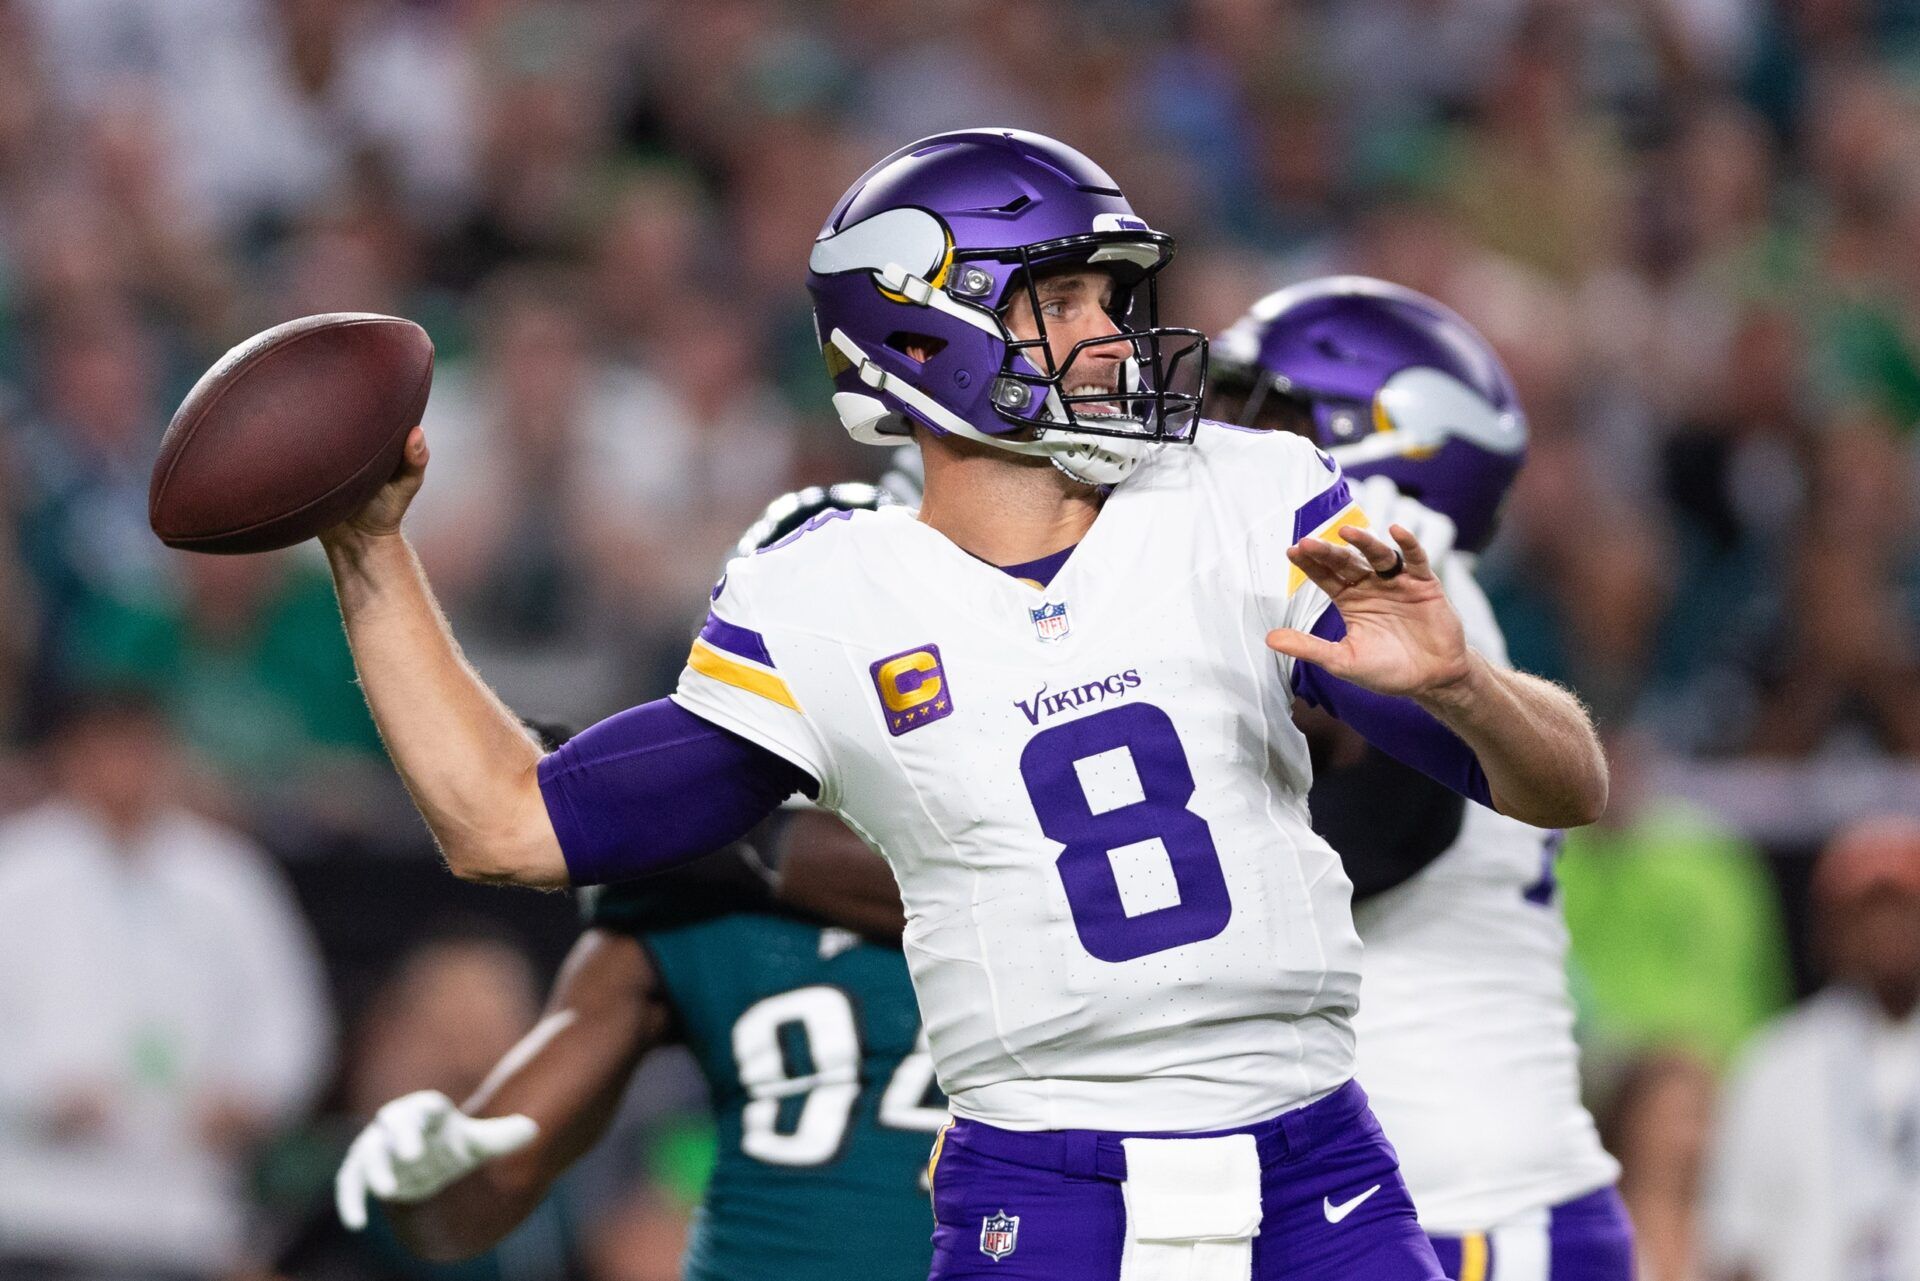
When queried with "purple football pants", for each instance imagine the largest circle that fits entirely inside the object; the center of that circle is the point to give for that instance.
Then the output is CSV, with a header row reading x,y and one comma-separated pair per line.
x,y
1586,1239
1063,1187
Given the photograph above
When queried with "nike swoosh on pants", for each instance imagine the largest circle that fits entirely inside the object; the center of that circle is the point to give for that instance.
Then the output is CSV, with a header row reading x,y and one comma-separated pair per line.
x,y
1335,1213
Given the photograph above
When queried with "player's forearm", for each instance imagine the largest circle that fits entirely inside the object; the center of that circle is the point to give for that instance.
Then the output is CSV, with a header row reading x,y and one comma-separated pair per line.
x,y
465,758
568,1074
476,1213
467,1219
1533,740
480,1211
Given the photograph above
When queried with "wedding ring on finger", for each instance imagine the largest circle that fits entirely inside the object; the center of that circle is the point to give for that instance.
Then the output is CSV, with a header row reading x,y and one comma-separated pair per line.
x,y
1399,566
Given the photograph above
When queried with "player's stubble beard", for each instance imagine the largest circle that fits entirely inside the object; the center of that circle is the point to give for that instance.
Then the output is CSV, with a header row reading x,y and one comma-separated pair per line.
x,y
973,488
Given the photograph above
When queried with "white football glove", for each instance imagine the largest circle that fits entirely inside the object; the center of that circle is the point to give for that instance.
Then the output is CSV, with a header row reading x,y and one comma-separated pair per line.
x,y
417,1145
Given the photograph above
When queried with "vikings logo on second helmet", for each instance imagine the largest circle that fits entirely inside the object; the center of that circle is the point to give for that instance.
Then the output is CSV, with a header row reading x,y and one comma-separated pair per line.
x,y
1388,382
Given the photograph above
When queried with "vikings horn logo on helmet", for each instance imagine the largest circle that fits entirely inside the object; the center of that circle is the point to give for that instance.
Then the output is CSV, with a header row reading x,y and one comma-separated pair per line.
x,y
1390,383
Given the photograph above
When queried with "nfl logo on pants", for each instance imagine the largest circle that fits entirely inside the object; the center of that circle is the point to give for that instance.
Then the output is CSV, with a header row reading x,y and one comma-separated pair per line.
x,y
998,1235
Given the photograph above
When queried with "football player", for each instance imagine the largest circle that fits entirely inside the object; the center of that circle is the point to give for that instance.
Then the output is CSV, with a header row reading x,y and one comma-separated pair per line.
x,y
1058,701
807,1035
1465,1026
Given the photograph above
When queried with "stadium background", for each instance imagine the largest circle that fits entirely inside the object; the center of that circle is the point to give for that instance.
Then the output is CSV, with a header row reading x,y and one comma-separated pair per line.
x,y
1688,225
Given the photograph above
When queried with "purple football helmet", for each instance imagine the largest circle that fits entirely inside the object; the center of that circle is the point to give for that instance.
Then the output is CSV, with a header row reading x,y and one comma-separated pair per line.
x,y
925,252
1390,383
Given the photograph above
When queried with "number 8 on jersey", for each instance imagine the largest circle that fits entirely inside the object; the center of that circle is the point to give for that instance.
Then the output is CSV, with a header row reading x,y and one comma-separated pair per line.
x,y
1143,735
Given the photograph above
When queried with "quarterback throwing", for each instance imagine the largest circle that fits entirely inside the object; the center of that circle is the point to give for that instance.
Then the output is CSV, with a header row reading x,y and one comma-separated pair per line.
x,y
1135,962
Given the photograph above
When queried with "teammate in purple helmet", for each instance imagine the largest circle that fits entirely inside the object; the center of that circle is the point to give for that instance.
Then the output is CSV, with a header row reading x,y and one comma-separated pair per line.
x,y
1466,1030
1057,699
1387,381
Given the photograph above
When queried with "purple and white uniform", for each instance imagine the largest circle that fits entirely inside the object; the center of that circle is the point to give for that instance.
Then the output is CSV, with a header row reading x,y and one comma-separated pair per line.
x,y
1118,915
1125,937
1122,930
1325,1197
1466,1029
1119,918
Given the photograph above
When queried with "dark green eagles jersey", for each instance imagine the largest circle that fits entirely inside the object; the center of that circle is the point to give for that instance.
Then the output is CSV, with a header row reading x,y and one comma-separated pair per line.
x,y
823,1092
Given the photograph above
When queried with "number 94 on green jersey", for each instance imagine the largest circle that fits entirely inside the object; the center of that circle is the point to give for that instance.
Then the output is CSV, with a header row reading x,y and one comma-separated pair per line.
x,y
823,1095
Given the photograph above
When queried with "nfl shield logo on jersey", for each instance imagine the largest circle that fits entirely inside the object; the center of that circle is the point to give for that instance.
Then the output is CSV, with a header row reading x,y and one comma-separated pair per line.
x,y
998,1235
1050,621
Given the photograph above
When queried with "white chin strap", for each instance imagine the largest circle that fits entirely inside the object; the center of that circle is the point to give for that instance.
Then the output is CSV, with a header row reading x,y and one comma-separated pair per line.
x,y
1099,460
1090,460
1102,460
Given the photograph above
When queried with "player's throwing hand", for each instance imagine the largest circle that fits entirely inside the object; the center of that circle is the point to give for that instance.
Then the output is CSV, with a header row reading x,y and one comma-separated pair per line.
x,y
1402,636
417,1145
381,514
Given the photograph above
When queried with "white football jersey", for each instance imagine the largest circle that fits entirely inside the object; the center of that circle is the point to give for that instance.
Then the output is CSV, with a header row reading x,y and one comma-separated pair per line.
x,y
1465,1024
1092,794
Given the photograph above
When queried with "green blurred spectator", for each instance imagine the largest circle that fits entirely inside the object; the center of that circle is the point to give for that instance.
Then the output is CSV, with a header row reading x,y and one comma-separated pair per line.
x,y
1867,358
1676,935
249,662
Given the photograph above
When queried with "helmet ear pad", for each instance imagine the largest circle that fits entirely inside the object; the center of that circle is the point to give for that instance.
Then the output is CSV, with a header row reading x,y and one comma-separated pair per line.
x,y
1336,421
1249,400
962,365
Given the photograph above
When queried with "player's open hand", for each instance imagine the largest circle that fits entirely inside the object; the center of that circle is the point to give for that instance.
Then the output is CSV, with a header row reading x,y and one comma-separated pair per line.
x,y
1402,635
383,512
417,1145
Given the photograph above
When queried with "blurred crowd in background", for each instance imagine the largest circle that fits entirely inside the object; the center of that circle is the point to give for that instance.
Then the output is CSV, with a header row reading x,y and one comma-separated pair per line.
x,y
1688,225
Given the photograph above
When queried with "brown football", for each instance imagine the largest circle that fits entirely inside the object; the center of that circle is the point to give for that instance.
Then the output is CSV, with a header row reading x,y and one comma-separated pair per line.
x,y
290,433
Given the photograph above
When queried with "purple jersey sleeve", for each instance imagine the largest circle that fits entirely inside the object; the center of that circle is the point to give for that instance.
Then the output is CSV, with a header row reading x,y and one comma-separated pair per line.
x,y
654,786
1399,727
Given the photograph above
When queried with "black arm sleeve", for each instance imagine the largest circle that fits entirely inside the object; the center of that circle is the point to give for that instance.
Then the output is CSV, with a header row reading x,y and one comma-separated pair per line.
x,y
1386,820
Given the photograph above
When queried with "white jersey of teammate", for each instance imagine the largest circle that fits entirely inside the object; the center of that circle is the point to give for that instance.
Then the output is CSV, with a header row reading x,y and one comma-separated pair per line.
x,y
1465,1026
1092,794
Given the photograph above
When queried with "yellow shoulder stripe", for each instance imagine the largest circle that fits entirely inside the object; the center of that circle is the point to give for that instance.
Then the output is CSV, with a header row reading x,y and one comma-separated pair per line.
x,y
1473,1257
1328,533
728,670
